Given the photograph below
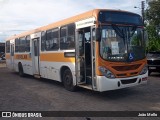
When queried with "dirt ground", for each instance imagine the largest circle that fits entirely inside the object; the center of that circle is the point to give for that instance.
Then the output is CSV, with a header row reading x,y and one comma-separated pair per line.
x,y
29,94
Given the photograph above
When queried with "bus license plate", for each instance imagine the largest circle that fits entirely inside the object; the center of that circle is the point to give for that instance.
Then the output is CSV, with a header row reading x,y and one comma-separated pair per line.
x,y
152,68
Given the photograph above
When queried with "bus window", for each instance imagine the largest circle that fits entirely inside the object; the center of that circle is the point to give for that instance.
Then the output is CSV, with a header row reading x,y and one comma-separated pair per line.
x,y
67,37
48,39
22,44
54,43
43,39
27,47
7,46
17,43
71,37
63,38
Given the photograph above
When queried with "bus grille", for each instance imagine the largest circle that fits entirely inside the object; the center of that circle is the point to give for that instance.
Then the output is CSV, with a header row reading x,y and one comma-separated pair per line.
x,y
129,81
126,68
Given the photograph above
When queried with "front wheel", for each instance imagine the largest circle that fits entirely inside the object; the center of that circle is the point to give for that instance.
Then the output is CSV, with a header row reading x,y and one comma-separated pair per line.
x,y
68,80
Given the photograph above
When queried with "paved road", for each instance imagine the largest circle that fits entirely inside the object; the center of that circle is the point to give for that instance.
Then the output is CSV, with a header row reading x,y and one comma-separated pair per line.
x,y
29,94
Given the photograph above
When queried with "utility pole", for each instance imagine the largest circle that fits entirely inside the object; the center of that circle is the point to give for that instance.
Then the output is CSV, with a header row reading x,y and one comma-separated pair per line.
x,y
142,10
142,7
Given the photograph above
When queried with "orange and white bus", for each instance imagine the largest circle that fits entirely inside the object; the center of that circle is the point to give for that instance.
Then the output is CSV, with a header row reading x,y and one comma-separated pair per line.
x,y
100,50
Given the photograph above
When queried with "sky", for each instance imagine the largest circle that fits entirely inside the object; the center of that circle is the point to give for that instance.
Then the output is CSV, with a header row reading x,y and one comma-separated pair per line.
x,y
17,16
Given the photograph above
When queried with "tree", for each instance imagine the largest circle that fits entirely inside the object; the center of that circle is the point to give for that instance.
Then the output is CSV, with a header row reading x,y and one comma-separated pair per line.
x,y
153,12
153,23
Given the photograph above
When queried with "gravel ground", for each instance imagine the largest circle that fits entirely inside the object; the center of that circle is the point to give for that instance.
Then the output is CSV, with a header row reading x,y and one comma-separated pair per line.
x,y
29,94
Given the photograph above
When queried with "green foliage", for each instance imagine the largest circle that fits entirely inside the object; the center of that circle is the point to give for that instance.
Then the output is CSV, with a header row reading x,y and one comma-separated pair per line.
x,y
153,39
153,21
136,40
153,12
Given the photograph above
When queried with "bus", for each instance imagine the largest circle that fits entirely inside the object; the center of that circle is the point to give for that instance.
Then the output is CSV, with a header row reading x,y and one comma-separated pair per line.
x,y
100,50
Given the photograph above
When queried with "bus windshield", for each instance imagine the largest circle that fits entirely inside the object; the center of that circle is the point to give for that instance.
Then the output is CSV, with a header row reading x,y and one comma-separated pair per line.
x,y
122,43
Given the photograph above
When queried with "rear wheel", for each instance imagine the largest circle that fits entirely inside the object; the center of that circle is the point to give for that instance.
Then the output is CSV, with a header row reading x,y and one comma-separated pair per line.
x,y
20,69
68,80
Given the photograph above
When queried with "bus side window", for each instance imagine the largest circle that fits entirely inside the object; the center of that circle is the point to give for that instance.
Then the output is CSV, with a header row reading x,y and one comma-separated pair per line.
x,y
48,39
54,44
27,47
52,41
22,44
71,36
63,36
43,39
17,43
67,37
7,46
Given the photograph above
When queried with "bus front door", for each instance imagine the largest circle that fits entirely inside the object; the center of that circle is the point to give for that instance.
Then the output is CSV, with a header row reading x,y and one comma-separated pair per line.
x,y
35,57
85,57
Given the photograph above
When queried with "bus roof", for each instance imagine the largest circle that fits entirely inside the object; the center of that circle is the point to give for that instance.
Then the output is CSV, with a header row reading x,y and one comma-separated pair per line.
x,y
91,13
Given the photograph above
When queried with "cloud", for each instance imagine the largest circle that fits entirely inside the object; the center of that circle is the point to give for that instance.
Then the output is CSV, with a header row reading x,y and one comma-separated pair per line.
x,y
30,14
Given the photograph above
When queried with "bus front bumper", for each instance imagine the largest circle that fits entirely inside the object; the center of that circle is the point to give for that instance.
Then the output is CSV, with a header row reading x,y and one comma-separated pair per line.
x,y
105,84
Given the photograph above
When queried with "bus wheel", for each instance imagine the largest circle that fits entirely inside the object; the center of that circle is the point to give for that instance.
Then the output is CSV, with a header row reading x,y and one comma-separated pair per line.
x,y
68,80
20,69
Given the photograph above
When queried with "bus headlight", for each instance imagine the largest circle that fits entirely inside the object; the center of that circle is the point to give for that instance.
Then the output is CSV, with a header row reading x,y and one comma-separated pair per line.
x,y
107,73
144,70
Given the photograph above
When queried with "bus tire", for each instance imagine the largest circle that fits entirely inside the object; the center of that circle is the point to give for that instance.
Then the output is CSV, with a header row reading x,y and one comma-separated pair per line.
x,y
68,81
20,69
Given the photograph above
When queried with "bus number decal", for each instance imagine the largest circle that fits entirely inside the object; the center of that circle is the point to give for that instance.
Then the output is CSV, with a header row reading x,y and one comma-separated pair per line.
x,y
21,57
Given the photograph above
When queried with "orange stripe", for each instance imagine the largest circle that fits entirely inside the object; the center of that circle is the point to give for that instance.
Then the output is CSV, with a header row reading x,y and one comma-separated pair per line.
x,y
56,57
7,56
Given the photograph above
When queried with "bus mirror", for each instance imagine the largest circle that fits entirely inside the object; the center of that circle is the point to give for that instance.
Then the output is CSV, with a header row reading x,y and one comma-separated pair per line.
x,y
98,34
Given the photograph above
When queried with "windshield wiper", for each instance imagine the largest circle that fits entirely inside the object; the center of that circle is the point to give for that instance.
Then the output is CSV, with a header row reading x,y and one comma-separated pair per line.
x,y
120,31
